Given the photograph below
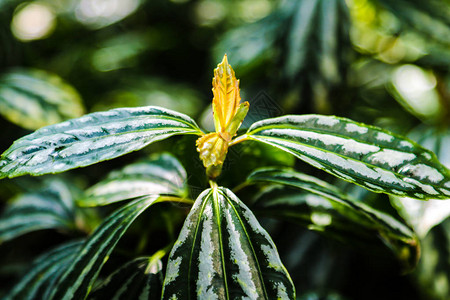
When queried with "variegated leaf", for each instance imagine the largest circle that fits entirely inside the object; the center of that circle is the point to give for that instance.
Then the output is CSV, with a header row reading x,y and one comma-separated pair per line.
x,y
373,158
161,174
92,138
50,208
79,277
45,270
33,98
140,278
223,253
325,208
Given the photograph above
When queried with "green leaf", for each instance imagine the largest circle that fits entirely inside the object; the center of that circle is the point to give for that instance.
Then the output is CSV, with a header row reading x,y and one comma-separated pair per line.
x,y
140,278
50,208
223,253
373,158
92,138
161,174
77,280
34,98
323,207
44,271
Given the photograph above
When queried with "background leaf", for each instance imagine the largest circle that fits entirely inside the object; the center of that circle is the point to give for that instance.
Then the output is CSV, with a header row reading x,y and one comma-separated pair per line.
x,y
35,98
222,252
140,278
50,208
79,277
375,159
324,208
157,175
91,139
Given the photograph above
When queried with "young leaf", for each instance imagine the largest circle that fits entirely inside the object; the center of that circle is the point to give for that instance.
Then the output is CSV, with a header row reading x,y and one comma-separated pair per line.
x,y
50,208
160,174
140,278
325,208
77,280
373,158
223,253
33,98
45,269
92,138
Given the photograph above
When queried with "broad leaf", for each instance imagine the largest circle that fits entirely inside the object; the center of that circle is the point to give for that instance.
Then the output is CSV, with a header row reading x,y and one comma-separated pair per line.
x,y
323,207
223,253
373,158
140,278
50,208
39,279
77,280
92,138
32,99
161,174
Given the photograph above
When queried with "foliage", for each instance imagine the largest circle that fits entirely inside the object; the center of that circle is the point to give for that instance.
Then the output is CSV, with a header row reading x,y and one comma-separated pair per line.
x,y
219,207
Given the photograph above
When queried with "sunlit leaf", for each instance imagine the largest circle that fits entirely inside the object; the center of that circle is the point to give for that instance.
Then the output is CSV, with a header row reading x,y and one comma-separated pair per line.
x,y
140,278
33,99
325,208
39,279
77,280
373,158
92,138
158,175
50,208
223,253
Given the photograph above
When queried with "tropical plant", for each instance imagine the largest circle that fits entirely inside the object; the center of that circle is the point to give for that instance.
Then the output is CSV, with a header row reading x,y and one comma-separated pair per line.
x,y
222,251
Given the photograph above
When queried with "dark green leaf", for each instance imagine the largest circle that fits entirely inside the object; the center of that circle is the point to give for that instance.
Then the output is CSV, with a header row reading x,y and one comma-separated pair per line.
x,y
33,98
92,138
223,253
325,208
44,271
160,174
50,208
373,158
77,280
140,278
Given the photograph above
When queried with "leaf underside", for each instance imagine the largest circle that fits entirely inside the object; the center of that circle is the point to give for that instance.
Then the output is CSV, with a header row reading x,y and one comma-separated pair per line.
x,y
373,158
161,174
92,138
79,277
223,253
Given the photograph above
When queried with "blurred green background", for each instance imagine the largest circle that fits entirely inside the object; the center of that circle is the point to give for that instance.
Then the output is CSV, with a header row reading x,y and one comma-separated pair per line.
x,y
381,62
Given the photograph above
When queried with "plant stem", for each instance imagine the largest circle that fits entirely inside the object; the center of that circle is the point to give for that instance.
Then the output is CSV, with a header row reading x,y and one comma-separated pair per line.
x,y
237,140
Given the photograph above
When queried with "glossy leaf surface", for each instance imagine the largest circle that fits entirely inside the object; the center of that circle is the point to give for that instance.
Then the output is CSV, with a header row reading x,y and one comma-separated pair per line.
x,y
223,253
373,158
39,279
325,208
158,175
33,99
50,208
92,138
140,278
79,277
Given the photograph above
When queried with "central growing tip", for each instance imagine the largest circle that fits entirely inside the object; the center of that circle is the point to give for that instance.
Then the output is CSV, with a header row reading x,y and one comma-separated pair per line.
x,y
228,116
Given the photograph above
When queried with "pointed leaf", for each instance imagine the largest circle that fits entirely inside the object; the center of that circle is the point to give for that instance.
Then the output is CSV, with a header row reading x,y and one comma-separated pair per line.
x,y
140,278
92,138
325,208
44,270
77,280
223,253
34,98
51,208
373,158
158,175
